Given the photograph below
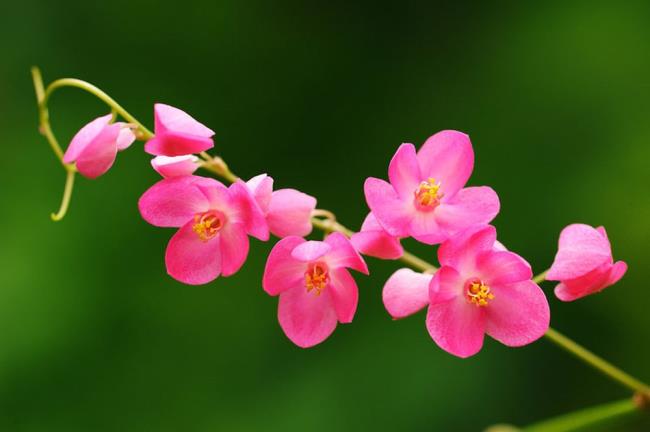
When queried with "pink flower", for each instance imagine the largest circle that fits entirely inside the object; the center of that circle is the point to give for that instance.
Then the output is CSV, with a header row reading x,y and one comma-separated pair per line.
x,y
214,222
425,198
373,240
177,133
175,166
315,288
95,146
583,263
479,289
287,211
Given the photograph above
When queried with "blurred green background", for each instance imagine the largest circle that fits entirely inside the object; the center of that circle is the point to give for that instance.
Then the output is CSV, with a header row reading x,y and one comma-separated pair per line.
x,y
94,336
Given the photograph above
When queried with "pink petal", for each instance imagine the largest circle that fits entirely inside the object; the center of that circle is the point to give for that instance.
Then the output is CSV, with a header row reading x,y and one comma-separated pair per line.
x,y
589,283
261,187
518,314
391,212
234,248
447,157
502,267
84,137
172,202
457,326
175,166
446,285
461,250
470,206
125,138
406,292
176,144
191,260
617,272
98,156
425,228
345,294
170,119
404,172
343,254
290,213
310,251
306,318
581,249
282,271
248,211
374,241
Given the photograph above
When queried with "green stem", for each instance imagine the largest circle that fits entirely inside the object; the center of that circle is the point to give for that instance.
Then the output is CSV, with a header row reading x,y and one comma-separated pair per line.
x,y
540,277
598,363
67,194
586,418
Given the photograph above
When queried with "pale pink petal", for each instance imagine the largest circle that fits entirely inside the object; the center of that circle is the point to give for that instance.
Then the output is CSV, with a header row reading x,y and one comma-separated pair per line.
x,y
581,249
306,317
378,244
261,186
406,292
470,206
177,144
343,253
392,213
191,260
461,250
172,202
518,314
234,248
345,294
425,228
502,267
617,272
404,172
457,326
601,230
446,285
447,157
170,119
125,138
290,213
310,251
282,271
84,137
589,283
175,166
248,212
98,156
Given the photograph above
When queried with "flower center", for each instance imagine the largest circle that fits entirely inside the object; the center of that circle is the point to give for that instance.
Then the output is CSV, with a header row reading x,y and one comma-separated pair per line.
x,y
428,195
207,225
478,292
316,277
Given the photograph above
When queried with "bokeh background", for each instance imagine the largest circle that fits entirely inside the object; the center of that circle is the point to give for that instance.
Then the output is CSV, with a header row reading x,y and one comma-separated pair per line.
x,y
94,336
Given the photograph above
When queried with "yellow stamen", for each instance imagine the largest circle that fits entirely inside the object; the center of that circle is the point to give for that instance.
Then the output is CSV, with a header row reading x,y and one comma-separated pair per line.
x,y
428,194
316,278
478,293
207,225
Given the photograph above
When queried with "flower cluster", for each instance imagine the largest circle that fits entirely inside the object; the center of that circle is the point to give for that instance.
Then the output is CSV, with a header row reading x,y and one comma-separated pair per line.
x,y
480,288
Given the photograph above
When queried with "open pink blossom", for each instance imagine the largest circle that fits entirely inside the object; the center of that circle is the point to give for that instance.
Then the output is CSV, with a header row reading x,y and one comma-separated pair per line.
x,y
583,263
214,222
373,240
478,289
175,166
316,290
426,198
177,133
93,149
287,211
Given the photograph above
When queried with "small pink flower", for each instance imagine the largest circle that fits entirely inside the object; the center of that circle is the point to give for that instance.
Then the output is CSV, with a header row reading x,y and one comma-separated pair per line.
x,y
315,288
95,146
479,289
373,240
175,166
287,211
425,198
214,222
583,263
177,133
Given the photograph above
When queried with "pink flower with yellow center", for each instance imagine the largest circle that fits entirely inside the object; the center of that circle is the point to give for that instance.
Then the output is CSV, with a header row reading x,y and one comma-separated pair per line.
x,y
94,148
426,198
316,290
214,224
480,288
177,133
583,263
